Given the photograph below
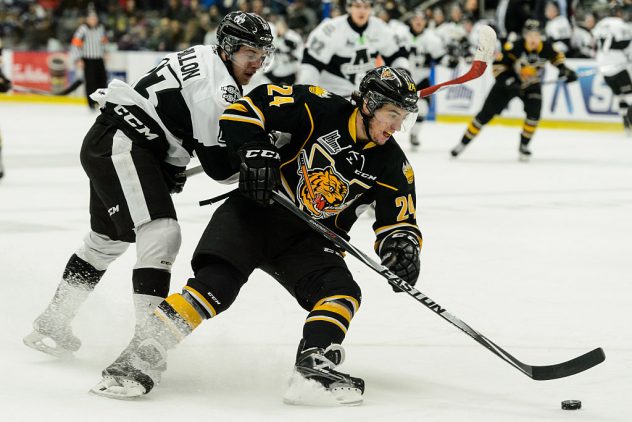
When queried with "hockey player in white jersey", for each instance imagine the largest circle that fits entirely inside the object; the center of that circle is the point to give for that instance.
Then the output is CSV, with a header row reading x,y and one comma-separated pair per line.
x,y
340,51
613,37
424,46
135,155
288,46
582,41
557,29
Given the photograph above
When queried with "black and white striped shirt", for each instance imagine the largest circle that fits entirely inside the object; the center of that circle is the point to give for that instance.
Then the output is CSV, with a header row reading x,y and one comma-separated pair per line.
x,y
89,43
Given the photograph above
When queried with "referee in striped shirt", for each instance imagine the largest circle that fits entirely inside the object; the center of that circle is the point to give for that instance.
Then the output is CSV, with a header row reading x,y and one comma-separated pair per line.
x,y
87,51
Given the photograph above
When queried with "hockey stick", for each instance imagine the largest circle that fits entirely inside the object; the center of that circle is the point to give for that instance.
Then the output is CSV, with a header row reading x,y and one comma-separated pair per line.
x,y
580,75
484,53
540,373
67,90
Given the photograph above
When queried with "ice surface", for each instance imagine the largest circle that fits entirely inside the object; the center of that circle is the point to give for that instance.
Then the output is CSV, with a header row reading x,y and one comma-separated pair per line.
x,y
534,255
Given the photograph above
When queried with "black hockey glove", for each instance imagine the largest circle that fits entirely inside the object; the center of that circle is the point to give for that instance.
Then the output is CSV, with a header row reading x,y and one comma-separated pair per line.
x,y
568,74
259,171
174,176
400,254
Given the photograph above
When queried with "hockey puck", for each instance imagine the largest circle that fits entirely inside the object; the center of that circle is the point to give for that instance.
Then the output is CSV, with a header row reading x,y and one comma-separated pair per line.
x,y
571,404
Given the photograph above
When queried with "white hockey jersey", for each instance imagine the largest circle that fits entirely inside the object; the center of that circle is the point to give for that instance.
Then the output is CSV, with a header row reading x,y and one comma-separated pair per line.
x,y
583,42
288,52
423,47
558,30
337,57
613,37
174,109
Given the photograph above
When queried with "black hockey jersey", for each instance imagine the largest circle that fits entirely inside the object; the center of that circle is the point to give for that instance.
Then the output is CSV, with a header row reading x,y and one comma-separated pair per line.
x,y
527,65
326,171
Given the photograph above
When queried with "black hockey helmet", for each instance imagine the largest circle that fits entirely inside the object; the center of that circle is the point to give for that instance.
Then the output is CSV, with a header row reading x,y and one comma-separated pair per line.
x,y
241,28
386,84
531,25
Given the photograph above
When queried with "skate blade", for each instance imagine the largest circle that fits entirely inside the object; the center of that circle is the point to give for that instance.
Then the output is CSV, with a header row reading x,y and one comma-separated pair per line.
x,y
112,389
304,392
40,342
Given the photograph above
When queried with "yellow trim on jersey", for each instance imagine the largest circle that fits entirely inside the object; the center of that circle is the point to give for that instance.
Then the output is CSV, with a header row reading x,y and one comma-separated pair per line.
x,y
353,129
238,107
369,145
255,109
387,186
327,319
242,119
311,131
205,303
336,308
383,229
184,309
352,299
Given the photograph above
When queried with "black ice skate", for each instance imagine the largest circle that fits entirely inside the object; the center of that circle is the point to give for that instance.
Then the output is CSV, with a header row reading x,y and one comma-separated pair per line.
x,y
135,372
523,153
458,149
315,382
52,334
414,140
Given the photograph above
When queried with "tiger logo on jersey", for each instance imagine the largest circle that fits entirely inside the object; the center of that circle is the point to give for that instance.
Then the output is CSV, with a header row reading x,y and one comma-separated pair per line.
x,y
323,193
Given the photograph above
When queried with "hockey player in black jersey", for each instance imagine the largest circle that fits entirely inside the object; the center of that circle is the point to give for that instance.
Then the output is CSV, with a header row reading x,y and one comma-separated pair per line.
x,y
135,156
340,158
518,74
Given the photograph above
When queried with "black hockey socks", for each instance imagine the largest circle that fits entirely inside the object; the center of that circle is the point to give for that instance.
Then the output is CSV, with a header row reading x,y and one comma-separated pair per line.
x,y
151,281
79,273
528,129
472,130
329,321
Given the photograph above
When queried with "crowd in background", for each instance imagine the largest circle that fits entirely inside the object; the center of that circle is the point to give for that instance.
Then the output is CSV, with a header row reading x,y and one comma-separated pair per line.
x,y
170,25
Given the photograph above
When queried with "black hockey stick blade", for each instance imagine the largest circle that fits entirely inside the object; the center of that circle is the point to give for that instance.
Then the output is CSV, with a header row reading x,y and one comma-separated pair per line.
x,y
70,88
568,368
540,373
67,90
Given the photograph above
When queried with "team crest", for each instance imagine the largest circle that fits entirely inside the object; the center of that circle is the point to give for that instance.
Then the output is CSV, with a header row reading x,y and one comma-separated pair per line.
x,y
407,169
321,191
230,94
387,75
321,92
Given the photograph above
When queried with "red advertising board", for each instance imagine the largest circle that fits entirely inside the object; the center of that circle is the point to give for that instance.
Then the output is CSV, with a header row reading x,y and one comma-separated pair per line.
x,y
39,69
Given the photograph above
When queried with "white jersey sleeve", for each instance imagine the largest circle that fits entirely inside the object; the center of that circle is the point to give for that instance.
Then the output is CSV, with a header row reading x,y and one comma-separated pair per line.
x,y
182,98
613,37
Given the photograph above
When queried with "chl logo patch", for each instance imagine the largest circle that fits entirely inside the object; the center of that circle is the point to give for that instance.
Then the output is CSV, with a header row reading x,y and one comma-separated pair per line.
x,y
330,142
230,94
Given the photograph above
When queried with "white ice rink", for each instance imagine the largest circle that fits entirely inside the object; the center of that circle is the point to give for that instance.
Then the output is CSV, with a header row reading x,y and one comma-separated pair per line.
x,y
535,255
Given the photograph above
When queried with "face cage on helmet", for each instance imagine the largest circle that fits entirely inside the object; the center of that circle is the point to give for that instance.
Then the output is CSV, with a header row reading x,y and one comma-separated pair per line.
x,y
230,44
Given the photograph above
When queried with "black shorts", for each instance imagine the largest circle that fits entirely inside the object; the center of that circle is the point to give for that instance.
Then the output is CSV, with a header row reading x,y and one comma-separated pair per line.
x,y
127,187
249,236
620,84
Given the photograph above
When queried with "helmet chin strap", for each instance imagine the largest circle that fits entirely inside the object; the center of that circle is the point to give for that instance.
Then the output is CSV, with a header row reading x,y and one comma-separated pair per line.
x,y
366,119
